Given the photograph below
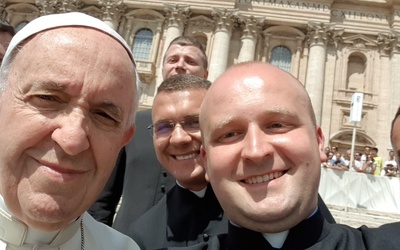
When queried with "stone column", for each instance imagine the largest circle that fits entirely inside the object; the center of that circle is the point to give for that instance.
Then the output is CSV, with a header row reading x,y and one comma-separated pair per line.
x,y
47,7
175,20
224,20
251,28
112,12
318,35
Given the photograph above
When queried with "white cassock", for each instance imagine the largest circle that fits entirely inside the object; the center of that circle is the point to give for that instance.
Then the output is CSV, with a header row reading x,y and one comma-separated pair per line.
x,y
15,235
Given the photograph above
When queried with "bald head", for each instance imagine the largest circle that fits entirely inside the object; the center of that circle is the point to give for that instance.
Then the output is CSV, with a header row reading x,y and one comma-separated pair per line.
x,y
261,147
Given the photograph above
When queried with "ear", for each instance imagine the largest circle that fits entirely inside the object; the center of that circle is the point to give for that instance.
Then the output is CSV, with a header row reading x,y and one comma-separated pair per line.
x,y
128,135
321,140
203,154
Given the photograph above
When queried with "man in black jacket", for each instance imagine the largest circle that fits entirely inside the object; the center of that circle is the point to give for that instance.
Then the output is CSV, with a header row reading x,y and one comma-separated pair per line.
x,y
262,151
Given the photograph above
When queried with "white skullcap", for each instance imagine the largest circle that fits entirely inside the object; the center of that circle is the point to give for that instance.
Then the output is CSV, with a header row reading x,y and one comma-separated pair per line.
x,y
63,20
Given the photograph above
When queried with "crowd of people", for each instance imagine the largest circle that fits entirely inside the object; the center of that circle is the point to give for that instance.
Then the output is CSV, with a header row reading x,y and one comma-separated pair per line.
x,y
368,161
243,153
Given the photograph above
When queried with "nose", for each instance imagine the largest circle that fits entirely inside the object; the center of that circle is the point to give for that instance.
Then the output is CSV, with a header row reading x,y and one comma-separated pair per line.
x,y
71,134
179,135
256,146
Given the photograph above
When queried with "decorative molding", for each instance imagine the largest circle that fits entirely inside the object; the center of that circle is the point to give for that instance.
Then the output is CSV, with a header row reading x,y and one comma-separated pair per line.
x,y
70,5
323,33
224,19
176,15
47,7
112,9
201,23
251,26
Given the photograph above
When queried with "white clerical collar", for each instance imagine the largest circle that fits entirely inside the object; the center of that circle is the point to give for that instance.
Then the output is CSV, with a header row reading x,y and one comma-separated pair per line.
x,y
199,194
17,233
277,239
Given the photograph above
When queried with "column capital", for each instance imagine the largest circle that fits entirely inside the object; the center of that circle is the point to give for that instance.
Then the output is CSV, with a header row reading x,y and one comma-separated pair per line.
x,y
251,26
385,42
112,10
176,15
47,7
66,6
224,18
323,33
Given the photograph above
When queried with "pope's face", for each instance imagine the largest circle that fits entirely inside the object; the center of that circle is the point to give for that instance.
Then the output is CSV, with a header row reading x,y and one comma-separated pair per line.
x,y
261,147
64,118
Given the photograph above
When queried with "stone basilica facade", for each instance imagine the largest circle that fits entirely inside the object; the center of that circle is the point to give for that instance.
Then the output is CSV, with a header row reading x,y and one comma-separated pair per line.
x,y
334,47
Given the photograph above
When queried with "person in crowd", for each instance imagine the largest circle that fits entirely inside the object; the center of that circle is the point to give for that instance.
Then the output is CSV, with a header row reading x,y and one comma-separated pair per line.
x,y
262,150
369,166
138,175
377,159
357,165
327,150
68,94
390,166
367,150
190,212
338,162
6,33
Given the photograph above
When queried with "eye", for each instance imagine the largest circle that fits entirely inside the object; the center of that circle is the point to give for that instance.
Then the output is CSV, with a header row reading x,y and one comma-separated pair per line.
x,y
192,124
49,98
104,115
163,128
45,101
229,137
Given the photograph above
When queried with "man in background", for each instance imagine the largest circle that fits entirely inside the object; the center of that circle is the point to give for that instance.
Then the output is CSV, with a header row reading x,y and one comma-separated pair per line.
x,y
262,151
189,213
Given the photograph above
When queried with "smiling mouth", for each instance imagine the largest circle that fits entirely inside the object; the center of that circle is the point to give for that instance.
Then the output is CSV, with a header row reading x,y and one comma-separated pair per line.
x,y
186,157
263,178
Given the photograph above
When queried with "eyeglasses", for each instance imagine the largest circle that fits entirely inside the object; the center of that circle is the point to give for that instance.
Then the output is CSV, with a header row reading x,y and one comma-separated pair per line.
x,y
164,129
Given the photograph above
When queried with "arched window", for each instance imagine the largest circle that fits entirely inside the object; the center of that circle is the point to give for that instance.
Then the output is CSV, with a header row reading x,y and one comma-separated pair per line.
x,y
142,44
281,57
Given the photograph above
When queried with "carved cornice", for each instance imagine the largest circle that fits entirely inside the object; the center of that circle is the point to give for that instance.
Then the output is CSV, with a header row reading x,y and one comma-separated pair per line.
x,y
176,14
251,26
70,5
47,7
224,19
323,33
112,9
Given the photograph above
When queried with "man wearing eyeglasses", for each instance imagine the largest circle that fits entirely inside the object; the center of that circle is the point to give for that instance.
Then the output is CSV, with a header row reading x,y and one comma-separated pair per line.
x,y
189,213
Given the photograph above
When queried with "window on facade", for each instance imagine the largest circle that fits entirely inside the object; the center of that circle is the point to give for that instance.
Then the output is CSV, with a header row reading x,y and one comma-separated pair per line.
x,y
142,44
281,57
356,73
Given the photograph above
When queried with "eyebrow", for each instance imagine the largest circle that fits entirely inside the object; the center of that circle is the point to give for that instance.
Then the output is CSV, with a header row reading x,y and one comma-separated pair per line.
x,y
50,85
113,108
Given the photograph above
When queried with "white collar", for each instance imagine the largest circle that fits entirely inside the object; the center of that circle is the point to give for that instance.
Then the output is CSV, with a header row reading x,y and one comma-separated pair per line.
x,y
15,232
199,194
